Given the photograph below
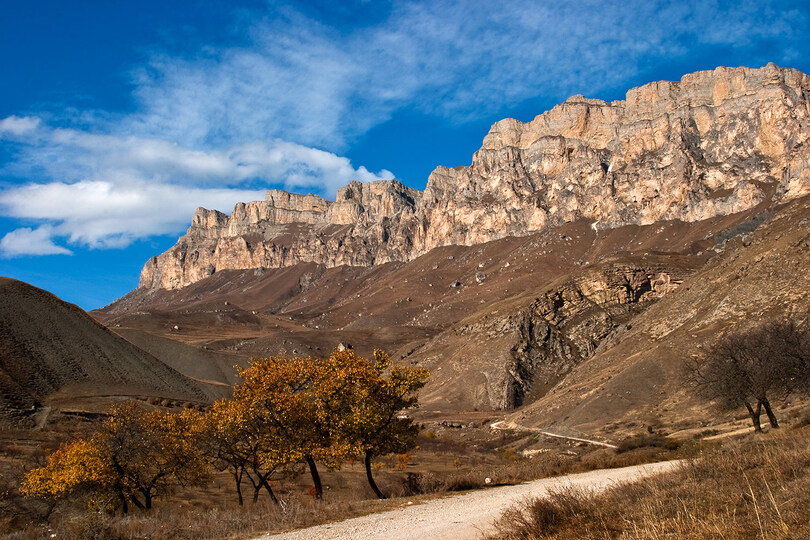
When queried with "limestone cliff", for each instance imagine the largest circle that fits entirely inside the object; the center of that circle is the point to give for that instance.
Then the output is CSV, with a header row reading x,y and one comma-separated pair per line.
x,y
715,143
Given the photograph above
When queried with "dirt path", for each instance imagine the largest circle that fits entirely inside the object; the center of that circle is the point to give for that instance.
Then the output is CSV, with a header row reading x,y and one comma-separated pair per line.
x,y
504,425
466,516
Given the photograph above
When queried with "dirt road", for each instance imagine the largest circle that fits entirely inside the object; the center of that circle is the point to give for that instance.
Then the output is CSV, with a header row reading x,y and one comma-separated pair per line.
x,y
463,516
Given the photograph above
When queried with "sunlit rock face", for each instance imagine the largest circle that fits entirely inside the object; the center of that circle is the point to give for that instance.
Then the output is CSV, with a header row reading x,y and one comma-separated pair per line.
x,y
714,143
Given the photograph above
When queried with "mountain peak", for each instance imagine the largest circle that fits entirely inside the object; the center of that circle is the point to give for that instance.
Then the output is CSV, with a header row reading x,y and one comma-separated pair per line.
x,y
715,143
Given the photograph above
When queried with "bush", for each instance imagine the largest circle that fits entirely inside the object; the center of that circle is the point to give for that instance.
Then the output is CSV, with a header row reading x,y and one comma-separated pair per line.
x,y
648,441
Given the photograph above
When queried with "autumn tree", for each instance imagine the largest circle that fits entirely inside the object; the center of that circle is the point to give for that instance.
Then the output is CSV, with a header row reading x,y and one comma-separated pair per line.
x,y
331,409
133,456
75,467
237,437
281,392
753,367
374,394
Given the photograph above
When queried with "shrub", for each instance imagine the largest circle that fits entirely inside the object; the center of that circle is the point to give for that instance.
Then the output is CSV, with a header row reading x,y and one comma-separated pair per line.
x,y
648,441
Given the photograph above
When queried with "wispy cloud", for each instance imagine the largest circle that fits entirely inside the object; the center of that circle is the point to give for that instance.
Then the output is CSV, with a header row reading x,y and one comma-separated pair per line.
x,y
211,127
119,189
305,82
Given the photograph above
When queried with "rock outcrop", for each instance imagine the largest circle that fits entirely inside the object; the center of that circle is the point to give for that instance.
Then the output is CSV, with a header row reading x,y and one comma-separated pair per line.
x,y
715,143
529,349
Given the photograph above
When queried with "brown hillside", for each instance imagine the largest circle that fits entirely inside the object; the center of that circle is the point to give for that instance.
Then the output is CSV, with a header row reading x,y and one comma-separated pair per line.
x,y
52,353
473,336
565,272
634,380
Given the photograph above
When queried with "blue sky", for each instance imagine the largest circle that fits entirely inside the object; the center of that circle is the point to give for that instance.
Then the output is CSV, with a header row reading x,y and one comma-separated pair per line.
x,y
118,119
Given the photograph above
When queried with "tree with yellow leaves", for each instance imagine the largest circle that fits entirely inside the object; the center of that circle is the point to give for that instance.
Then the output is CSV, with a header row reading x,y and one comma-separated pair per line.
x,y
237,437
372,396
328,410
281,391
77,466
133,456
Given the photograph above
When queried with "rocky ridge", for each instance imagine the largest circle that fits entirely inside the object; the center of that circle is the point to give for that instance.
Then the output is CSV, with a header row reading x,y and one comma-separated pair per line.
x,y
713,144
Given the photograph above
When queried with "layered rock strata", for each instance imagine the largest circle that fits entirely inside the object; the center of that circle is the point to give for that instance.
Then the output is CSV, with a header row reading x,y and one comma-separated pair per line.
x,y
714,143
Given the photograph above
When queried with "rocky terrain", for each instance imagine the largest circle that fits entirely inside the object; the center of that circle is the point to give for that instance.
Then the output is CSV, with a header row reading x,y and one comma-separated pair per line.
x,y
633,379
714,143
540,278
561,278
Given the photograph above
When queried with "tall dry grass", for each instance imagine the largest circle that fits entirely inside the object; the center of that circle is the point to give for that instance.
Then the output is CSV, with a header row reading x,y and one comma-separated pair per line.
x,y
755,488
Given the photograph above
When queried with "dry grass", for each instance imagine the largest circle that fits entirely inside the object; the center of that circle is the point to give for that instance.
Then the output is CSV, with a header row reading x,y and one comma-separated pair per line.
x,y
755,488
446,462
170,521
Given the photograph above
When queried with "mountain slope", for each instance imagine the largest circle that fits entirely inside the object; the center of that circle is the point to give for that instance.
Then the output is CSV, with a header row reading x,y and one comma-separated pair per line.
x,y
52,351
634,379
470,314
566,272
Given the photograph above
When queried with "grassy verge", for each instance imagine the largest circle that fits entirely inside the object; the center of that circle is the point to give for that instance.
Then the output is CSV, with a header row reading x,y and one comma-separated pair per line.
x,y
757,487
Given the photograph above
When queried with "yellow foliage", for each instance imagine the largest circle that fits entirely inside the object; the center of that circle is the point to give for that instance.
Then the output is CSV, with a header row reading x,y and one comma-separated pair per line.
x,y
133,455
73,465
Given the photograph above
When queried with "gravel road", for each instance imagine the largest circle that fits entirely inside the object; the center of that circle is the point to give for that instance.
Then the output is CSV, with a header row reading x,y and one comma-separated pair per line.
x,y
469,515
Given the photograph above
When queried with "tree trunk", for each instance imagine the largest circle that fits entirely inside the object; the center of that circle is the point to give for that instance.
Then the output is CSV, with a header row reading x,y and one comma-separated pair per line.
x,y
316,478
256,487
266,484
147,497
124,505
136,502
238,479
769,412
371,481
755,415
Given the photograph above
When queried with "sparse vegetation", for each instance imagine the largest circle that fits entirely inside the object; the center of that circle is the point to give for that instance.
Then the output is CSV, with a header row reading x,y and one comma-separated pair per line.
x,y
211,510
753,366
756,488
132,457
287,412
648,441
357,402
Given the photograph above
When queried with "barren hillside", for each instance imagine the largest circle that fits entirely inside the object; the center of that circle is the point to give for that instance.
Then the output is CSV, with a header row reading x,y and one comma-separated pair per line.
x,y
51,352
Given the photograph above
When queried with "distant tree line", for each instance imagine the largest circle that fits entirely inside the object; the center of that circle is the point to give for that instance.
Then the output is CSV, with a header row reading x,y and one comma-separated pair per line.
x,y
754,367
286,415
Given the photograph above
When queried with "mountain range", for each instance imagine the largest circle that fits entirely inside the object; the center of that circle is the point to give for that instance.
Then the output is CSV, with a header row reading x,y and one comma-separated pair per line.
x,y
562,277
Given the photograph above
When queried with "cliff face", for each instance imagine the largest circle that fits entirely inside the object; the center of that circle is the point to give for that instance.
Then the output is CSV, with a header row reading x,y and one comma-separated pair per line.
x,y
715,143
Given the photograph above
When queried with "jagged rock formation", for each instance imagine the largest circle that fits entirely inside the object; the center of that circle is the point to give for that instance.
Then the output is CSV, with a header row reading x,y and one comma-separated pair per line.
x,y
715,143
568,324
635,376
531,347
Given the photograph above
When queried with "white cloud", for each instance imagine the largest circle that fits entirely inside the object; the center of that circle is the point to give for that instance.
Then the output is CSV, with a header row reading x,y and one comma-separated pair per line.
x,y
73,155
27,241
104,214
278,110
124,188
16,125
